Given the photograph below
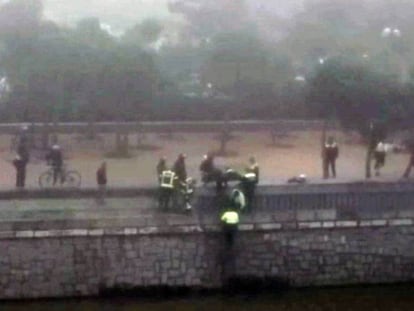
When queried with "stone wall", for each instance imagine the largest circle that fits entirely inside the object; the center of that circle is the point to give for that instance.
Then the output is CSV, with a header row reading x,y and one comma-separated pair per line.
x,y
306,238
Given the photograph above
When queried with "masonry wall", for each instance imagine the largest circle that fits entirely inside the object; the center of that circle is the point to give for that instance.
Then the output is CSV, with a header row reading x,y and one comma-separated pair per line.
x,y
306,239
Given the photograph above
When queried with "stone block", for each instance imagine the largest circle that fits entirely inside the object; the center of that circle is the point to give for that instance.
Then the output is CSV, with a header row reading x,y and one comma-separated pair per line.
x,y
400,222
24,234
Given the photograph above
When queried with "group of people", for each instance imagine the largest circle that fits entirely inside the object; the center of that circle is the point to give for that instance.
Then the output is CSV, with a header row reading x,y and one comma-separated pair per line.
x,y
378,152
171,179
54,158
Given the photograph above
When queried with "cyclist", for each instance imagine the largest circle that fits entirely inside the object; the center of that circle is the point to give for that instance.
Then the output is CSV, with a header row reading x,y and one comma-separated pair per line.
x,y
54,158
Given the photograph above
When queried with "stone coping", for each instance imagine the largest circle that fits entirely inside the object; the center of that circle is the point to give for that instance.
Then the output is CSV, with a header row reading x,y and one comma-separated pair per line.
x,y
125,192
197,229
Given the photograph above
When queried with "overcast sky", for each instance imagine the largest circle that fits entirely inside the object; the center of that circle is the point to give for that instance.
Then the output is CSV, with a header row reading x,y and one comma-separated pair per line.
x,y
124,13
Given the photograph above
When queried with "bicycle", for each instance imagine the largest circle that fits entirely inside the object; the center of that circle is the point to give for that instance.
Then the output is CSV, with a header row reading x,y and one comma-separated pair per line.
x,y
70,178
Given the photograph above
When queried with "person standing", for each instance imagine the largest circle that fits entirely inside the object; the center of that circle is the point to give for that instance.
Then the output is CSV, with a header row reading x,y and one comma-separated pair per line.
x,y
253,168
230,221
379,155
20,165
180,168
101,179
410,164
330,154
167,183
161,167
55,159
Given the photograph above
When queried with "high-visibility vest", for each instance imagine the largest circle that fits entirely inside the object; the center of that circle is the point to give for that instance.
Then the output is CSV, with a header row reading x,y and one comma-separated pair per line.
x,y
230,218
250,176
167,179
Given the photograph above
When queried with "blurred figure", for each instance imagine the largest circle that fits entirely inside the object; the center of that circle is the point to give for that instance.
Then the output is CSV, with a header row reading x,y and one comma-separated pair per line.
x,y
168,181
330,154
410,164
230,221
101,179
249,181
379,156
54,158
179,168
161,167
20,165
253,168
238,199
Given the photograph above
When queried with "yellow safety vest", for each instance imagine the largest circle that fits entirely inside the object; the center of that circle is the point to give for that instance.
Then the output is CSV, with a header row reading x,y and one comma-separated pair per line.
x,y
167,179
230,218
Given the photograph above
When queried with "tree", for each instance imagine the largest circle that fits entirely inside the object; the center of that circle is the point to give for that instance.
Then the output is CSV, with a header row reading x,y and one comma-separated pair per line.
x,y
360,98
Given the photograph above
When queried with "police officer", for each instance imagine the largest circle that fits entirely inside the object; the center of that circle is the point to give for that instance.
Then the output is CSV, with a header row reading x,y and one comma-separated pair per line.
x,y
54,158
180,169
230,221
168,179
20,165
330,154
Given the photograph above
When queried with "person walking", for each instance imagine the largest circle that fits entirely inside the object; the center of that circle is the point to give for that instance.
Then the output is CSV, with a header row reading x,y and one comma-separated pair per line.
x,y
101,180
20,165
379,155
330,154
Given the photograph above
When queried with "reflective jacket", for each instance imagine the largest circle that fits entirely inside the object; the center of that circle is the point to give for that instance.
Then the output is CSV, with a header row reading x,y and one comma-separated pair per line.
x,y
230,218
167,179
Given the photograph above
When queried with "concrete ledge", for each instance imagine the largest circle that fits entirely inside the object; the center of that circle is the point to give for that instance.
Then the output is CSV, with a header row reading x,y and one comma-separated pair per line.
x,y
198,229
209,191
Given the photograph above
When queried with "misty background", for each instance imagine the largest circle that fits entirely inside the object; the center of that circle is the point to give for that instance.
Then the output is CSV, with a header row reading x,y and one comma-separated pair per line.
x,y
350,60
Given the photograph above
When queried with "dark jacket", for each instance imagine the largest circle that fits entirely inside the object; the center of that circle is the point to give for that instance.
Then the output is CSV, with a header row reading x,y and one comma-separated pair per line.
x,y
55,158
331,151
101,176
180,170
207,165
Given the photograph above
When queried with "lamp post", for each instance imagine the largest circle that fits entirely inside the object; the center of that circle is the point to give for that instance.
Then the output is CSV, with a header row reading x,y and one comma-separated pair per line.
x,y
394,35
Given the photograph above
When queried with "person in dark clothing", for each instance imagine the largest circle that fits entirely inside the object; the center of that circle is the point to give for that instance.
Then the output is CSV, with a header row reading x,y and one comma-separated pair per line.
x,y
210,173
20,165
330,154
55,159
180,169
410,164
161,167
101,180
23,152
253,168
207,166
